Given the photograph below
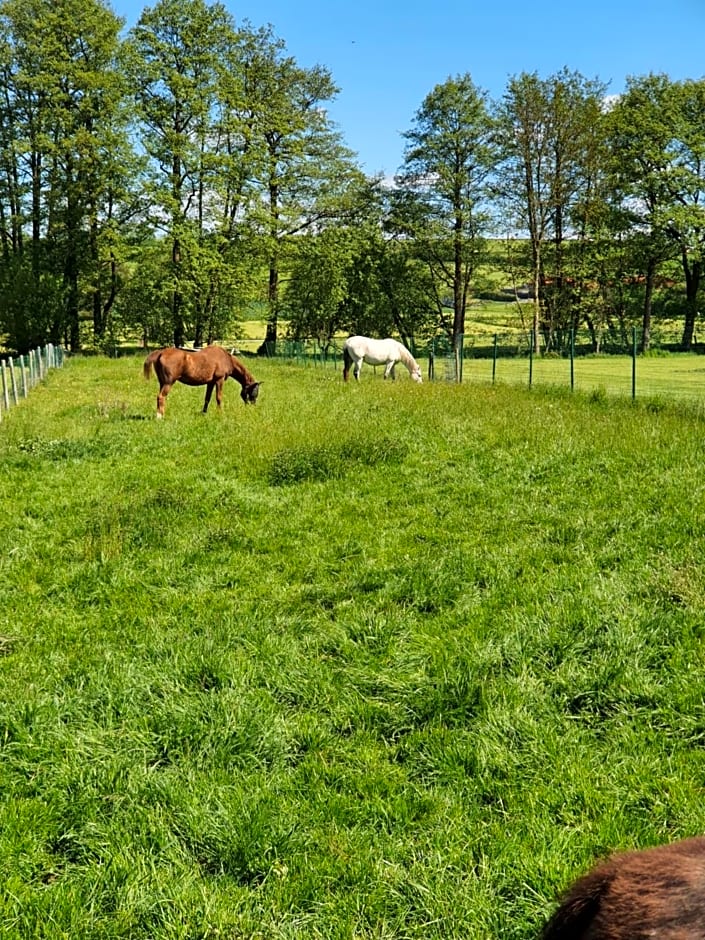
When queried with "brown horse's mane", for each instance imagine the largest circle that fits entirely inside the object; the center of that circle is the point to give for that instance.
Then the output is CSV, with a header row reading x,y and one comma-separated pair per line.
x,y
655,892
240,372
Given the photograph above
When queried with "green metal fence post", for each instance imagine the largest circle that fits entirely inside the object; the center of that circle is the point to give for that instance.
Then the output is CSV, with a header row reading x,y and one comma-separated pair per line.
x,y
531,358
494,359
633,363
572,359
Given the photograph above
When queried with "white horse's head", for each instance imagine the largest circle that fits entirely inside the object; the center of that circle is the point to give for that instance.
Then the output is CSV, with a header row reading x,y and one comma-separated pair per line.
x,y
416,375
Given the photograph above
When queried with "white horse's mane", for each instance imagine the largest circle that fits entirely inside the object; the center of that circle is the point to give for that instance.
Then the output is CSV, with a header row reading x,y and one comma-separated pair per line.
x,y
407,358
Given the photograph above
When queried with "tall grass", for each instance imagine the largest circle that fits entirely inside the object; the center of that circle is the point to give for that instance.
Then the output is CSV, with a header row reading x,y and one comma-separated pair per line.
x,y
364,661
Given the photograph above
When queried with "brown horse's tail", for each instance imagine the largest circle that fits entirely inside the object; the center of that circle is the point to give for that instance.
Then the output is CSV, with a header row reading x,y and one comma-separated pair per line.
x,y
149,362
347,362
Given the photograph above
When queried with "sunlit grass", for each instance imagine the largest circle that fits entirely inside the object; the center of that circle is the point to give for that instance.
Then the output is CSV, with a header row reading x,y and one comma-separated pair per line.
x,y
365,660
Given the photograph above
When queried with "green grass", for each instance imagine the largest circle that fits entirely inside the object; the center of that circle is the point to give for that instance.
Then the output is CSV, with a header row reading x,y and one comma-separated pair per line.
x,y
364,661
672,377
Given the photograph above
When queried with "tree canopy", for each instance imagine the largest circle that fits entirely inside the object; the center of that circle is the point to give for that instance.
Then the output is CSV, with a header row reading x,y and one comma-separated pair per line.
x,y
157,181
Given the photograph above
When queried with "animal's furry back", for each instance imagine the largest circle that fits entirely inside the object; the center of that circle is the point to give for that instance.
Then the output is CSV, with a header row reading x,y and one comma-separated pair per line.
x,y
657,892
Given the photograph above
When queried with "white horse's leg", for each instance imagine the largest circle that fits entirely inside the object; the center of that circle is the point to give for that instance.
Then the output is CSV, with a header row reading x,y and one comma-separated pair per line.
x,y
356,369
390,369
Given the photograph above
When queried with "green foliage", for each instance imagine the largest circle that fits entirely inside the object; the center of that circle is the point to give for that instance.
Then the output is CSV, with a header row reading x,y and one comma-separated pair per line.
x,y
63,140
413,694
156,183
658,148
448,161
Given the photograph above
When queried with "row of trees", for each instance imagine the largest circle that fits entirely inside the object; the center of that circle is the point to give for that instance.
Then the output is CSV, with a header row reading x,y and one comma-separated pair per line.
x,y
160,181
607,194
148,180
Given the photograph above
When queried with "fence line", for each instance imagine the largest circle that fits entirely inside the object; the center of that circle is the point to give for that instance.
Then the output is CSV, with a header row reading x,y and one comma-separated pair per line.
x,y
618,368
21,373
664,372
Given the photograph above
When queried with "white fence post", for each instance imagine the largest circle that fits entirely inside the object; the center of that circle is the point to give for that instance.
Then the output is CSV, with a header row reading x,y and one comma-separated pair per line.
x,y
5,389
13,381
39,362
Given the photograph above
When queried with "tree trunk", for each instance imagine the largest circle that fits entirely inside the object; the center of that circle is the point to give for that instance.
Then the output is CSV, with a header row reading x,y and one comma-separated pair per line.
x,y
98,325
71,287
536,324
269,346
458,297
692,284
176,297
648,303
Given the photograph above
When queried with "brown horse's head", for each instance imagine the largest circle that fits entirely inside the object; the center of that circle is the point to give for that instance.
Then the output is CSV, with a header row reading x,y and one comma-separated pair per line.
x,y
250,392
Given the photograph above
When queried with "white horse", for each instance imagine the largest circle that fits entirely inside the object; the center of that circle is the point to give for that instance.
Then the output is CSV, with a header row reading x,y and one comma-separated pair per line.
x,y
377,352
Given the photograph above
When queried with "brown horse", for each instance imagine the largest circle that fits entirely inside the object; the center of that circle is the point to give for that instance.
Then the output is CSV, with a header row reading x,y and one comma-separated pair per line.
x,y
654,893
209,366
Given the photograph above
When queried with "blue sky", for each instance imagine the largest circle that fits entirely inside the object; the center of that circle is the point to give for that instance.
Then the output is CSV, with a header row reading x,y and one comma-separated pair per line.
x,y
386,56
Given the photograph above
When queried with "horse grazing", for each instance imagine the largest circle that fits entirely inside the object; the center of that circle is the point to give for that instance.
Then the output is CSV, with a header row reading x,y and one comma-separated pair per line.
x,y
653,893
377,352
209,366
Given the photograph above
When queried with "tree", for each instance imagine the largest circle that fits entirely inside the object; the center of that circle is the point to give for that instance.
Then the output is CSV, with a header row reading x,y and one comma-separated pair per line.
x,y
447,162
302,173
357,278
172,57
61,100
318,285
658,157
547,130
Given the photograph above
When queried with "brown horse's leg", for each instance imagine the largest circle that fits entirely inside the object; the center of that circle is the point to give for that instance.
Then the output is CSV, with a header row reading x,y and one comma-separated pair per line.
x,y
219,393
161,397
209,392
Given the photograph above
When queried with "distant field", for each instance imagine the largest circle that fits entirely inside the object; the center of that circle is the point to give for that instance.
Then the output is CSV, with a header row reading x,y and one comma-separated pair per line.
x,y
365,661
675,376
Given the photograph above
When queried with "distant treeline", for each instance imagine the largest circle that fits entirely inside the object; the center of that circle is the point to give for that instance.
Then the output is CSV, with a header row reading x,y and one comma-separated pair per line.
x,y
157,183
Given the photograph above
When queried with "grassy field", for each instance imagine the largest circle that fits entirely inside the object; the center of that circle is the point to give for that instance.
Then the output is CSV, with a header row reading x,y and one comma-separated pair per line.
x,y
363,661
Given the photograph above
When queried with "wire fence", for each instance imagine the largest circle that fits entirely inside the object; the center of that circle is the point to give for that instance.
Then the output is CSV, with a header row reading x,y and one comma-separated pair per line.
x,y
21,373
612,365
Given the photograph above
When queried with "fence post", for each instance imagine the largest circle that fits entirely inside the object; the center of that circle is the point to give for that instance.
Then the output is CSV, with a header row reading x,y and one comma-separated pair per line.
x,y
572,359
633,363
25,390
531,358
494,359
13,380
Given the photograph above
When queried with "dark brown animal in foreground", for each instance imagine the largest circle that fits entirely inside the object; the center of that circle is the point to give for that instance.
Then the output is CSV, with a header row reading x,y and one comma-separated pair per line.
x,y
657,893
209,366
